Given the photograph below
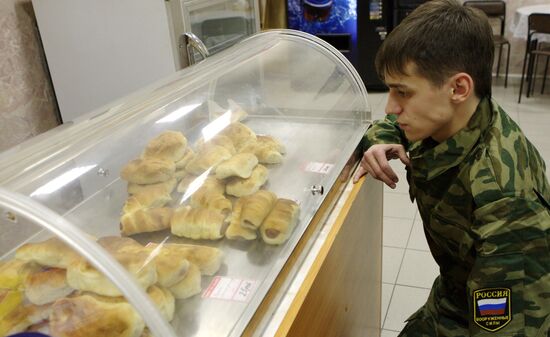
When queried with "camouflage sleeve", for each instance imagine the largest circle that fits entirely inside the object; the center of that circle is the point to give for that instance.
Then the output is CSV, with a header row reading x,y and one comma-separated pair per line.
x,y
509,285
384,131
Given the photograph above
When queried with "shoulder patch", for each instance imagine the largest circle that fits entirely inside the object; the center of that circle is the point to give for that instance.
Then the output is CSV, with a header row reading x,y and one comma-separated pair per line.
x,y
492,308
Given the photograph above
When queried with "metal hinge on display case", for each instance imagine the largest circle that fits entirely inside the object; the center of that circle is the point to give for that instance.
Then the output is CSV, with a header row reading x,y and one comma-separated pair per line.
x,y
192,43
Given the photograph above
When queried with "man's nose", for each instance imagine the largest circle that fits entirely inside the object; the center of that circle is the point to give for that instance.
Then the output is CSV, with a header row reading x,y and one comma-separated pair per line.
x,y
393,107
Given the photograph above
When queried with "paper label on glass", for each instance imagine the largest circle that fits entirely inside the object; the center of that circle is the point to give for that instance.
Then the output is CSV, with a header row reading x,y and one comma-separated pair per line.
x,y
317,167
226,288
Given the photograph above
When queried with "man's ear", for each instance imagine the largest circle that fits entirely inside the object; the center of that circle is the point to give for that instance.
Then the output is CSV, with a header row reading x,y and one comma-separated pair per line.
x,y
462,87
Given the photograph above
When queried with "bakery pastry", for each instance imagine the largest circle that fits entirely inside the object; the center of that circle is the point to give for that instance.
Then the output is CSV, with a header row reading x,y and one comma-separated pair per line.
x,y
239,134
240,165
213,201
185,182
46,286
208,259
153,199
145,220
132,204
235,231
14,272
204,184
83,276
22,317
237,112
265,153
240,187
148,171
280,222
169,145
271,142
117,244
256,208
171,268
50,253
220,140
9,301
86,316
197,223
188,155
164,300
209,157
190,285
165,187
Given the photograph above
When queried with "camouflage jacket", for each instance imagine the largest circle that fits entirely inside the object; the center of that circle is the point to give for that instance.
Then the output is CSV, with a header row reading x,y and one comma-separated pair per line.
x,y
484,200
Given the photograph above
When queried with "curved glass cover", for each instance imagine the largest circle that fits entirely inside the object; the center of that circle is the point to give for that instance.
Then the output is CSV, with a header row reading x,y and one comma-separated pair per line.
x,y
211,172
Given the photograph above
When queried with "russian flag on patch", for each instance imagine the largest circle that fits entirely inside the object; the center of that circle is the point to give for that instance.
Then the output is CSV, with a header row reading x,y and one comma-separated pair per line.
x,y
493,306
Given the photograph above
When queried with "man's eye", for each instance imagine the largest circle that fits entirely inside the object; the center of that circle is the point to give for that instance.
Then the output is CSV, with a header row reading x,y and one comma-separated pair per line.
x,y
401,93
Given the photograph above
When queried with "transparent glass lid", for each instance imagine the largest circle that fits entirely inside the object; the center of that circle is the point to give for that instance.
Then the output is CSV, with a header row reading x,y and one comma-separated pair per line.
x,y
222,163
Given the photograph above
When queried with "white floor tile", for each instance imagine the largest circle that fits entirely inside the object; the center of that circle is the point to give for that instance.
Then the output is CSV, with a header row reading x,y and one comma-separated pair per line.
x,y
396,231
389,333
404,302
397,205
418,269
387,290
391,262
417,239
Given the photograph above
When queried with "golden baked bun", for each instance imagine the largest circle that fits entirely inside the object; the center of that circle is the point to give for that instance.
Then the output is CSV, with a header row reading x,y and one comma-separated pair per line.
x,y
153,195
235,231
14,272
240,187
169,145
271,142
256,208
83,276
266,153
171,268
219,140
22,317
86,316
213,201
187,156
9,301
208,157
117,244
47,286
145,220
197,223
240,165
50,253
208,259
280,222
190,285
239,134
148,171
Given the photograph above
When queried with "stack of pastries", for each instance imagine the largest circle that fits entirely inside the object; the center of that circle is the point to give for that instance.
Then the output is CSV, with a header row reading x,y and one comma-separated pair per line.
x,y
49,288
220,181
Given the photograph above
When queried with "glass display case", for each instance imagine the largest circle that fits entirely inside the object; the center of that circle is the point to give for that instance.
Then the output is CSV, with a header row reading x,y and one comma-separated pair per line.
x,y
188,196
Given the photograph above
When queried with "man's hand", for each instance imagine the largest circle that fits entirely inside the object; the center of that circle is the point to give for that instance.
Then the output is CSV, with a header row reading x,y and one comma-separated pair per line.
x,y
375,162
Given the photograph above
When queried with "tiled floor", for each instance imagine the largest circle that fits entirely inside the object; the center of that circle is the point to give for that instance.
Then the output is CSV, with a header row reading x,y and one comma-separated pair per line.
x,y
408,267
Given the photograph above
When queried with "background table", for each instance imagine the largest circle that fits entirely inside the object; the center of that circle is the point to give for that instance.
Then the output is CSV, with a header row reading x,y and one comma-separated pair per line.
x,y
519,25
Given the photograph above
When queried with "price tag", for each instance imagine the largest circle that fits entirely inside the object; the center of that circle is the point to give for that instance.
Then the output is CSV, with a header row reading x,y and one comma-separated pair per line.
x,y
230,289
317,167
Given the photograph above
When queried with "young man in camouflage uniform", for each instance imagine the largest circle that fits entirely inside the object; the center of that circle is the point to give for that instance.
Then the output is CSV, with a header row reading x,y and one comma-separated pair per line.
x,y
480,185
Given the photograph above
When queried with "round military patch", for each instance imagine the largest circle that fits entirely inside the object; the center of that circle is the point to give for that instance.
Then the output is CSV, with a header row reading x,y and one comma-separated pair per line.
x,y
492,308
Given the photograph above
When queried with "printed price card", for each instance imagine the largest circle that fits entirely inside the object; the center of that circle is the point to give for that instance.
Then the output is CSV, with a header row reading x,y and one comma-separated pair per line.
x,y
231,289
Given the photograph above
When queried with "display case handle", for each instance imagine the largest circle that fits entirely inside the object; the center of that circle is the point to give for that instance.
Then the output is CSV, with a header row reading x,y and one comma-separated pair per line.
x,y
192,43
16,204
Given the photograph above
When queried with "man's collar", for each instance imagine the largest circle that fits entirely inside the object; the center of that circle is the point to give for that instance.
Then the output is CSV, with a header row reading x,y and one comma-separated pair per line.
x,y
430,161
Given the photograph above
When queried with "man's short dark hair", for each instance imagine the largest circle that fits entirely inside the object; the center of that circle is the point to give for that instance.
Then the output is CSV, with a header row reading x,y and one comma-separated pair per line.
x,y
442,38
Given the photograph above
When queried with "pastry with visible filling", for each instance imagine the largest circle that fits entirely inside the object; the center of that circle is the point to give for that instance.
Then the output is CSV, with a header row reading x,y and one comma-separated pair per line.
x,y
256,208
235,231
280,222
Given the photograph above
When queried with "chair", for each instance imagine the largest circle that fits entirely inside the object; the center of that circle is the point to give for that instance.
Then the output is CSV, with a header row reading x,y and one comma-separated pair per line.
x,y
495,9
538,23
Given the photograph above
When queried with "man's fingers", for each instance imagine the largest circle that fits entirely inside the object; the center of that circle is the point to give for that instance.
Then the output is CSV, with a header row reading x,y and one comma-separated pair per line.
x,y
377,172
360,172
403,155
385,165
